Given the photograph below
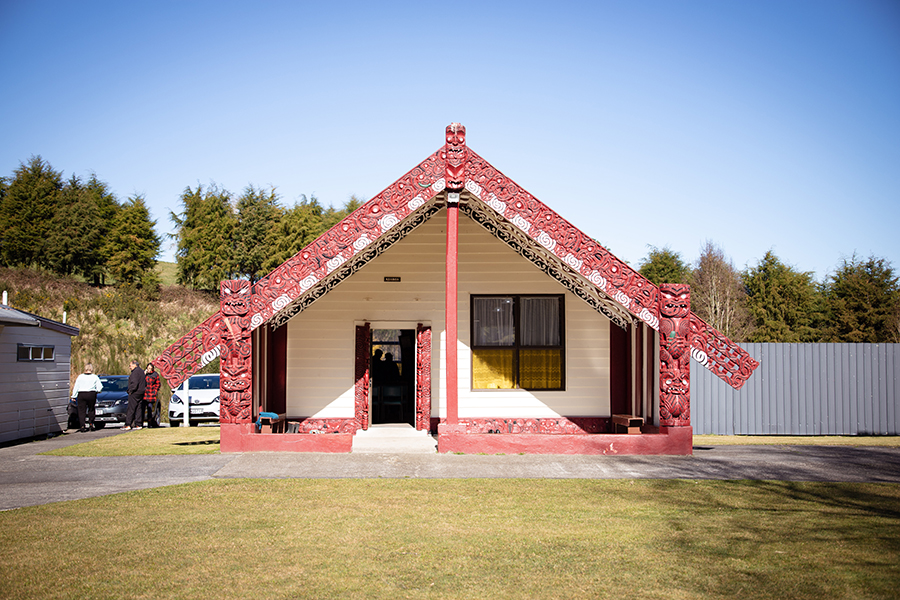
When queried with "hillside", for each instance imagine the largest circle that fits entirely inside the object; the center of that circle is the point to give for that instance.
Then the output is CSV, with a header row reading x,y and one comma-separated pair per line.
x,y
116,325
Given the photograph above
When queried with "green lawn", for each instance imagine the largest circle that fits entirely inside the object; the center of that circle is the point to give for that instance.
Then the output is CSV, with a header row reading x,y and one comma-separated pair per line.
x,y
460,539
454,538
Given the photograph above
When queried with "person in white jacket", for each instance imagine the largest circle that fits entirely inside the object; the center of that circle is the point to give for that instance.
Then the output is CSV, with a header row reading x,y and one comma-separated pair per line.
x,y
87,386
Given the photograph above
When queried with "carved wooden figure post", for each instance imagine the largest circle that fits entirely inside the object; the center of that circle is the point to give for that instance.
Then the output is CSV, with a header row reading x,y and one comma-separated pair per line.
x,y
674,355
235,387
455,155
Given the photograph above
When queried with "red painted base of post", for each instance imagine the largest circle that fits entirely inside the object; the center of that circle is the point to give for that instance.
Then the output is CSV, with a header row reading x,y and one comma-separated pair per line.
x,y
669,440
240,437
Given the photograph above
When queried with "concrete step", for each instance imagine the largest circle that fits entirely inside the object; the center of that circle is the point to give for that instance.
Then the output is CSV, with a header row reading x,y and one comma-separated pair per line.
x,y
393,438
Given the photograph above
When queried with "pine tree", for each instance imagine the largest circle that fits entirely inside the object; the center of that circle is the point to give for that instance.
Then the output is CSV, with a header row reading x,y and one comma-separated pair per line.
x,y
862,302
132,245
258,216
299,226
26,212
205,252
664,266
783,302
81,224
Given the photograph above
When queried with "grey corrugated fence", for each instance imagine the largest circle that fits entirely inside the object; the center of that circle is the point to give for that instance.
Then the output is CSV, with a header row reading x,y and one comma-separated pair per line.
x,y
804,389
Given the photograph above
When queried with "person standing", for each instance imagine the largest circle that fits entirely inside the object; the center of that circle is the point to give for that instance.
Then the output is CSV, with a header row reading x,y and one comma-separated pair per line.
x,y
152,378
137,385
84,392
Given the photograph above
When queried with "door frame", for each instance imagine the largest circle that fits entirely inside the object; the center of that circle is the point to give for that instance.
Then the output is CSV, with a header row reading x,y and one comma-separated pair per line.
x,y
363,375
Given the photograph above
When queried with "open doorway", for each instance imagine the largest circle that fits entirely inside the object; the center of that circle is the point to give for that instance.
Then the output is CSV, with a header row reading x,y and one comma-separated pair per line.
x,y
393,375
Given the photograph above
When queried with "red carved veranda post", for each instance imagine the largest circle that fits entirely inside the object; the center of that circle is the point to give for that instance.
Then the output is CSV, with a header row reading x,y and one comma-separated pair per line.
x,y
235,385
674,355
455,156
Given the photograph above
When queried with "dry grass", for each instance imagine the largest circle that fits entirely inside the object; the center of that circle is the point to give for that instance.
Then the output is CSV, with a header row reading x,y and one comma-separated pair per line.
x,y
891,441
115,325
149,442
460,539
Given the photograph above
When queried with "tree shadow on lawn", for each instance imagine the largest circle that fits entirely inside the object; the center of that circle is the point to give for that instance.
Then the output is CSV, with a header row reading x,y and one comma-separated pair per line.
x,y
789,539
197,443
797,463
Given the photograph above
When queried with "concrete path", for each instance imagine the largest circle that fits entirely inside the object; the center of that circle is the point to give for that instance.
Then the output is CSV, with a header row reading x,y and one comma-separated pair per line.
x,y
28,478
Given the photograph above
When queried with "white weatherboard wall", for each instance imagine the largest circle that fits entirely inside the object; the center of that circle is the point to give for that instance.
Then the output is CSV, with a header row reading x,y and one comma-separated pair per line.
x,y
321,340
489,266
33,395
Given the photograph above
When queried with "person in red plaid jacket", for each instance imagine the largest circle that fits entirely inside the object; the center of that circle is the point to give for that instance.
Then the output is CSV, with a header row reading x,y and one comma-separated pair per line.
x,y
151,406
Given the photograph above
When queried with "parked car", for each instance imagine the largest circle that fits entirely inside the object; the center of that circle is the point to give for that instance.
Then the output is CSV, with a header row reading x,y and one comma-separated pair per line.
x,y
203,398
112,402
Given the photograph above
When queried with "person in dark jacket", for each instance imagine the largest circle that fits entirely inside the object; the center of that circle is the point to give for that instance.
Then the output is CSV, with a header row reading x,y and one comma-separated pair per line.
x,y
150,400
137,384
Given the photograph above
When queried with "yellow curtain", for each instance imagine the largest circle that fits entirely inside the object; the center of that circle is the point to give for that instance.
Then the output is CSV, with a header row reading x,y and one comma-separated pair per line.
x,y
540,369
492,369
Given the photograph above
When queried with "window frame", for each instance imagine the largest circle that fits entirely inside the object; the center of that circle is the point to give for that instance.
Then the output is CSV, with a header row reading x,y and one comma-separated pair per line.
x,y
31,347
517,345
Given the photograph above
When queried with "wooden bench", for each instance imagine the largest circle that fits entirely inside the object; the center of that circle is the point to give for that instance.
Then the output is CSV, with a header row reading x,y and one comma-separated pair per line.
x,y
629,423
272,425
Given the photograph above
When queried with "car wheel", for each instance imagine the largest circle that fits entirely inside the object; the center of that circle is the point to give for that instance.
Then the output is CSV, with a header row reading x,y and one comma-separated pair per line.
x,y
174,423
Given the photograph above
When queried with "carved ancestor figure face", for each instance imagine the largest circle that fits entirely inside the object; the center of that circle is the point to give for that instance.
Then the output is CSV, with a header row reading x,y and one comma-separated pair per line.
x,y
674,382
456,139
235,297
675,300
456,157
675,390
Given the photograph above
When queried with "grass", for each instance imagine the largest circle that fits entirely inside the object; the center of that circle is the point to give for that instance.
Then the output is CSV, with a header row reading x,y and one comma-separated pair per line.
x,y
148,442
168,272
892,441
460,539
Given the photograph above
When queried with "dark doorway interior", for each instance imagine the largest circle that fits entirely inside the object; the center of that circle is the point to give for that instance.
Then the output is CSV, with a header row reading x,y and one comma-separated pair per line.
x,y
393,372
619,371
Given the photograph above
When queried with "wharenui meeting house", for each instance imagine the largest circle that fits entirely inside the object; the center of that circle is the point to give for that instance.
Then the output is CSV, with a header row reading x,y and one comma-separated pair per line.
x,y
456,302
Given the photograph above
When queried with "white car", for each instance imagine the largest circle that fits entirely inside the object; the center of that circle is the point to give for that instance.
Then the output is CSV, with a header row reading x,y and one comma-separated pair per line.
x,y
203,398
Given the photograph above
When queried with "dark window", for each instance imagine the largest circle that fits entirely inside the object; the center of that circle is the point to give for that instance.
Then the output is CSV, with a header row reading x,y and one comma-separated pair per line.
x,y
31,353
518,342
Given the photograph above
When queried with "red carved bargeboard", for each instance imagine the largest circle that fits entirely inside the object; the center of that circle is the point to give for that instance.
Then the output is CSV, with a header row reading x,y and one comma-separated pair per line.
x,y
582,255
728,361
674,355
193,351
569,244
310,266
306,269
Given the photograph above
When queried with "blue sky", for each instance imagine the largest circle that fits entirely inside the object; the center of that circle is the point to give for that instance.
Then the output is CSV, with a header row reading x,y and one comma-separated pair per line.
x,y
757,125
